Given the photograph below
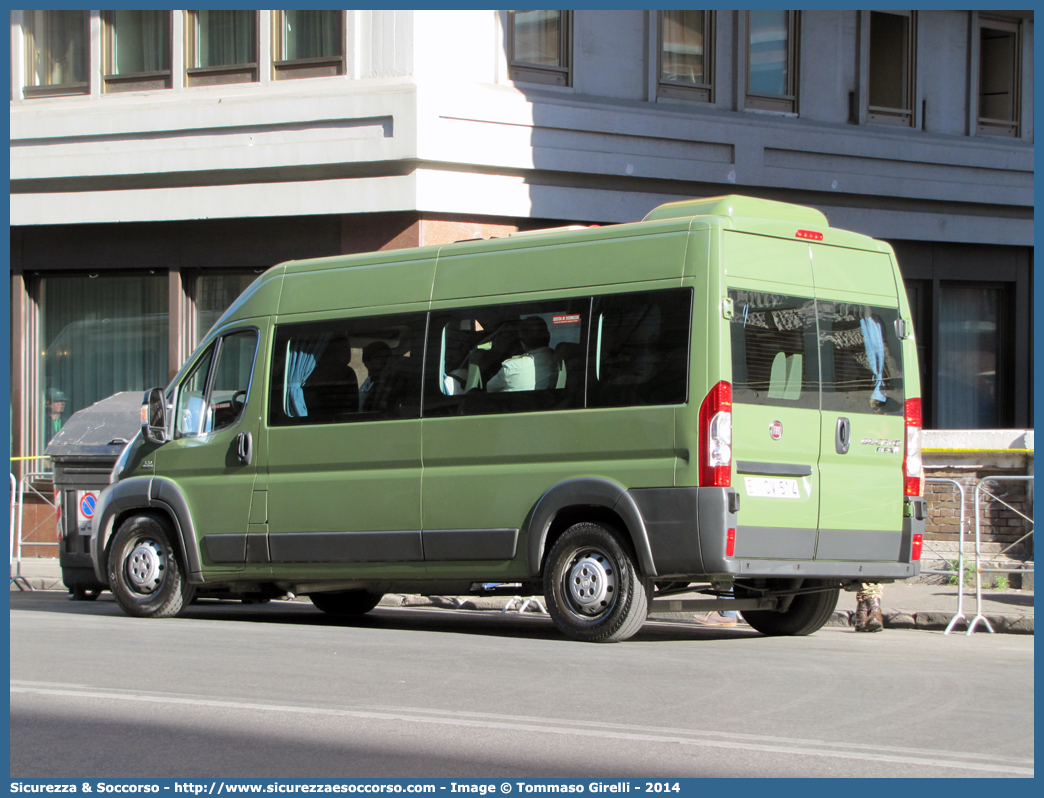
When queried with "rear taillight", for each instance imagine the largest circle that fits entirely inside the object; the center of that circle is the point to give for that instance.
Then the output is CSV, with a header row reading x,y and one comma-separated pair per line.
x,y
715,439
913,467
915,553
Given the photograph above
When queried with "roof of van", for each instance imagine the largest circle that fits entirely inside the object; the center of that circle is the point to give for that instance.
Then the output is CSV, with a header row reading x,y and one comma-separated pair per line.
x,y
735,206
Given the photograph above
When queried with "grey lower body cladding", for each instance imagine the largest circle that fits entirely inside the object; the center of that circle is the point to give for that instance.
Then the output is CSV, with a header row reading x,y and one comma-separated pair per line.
x,y
687,529
438,545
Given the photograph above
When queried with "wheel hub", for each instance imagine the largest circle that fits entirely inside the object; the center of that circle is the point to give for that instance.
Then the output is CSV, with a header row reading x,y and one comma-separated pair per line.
x,y
145,566
592,583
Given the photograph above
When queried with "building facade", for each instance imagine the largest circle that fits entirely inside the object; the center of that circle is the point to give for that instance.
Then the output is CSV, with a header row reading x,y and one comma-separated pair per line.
x,y
161,160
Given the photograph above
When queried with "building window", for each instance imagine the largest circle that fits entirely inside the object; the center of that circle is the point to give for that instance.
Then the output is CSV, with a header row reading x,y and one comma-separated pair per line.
x,y
308,44
222,47
539,44
99,335
687,55
999,77
772,60
57,52
137,51
212,294
975,351
892,67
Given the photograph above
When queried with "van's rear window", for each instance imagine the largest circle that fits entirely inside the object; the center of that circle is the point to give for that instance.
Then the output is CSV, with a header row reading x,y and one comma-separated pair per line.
x,y
774,350
862,359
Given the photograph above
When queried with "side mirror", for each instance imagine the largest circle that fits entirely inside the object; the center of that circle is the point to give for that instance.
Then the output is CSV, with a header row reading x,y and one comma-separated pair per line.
x,y
154,416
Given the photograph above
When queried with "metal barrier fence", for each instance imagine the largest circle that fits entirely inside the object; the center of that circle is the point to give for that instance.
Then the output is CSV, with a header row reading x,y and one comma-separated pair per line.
x,y
980,489
960,552
17,533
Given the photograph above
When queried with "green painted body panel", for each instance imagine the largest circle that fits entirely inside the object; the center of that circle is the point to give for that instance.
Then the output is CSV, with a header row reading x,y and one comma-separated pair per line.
x,y
260,299
487,472
218,489
767,264
360,286
852,275
799,446
761,263
595,258
746,208
352,477
862,489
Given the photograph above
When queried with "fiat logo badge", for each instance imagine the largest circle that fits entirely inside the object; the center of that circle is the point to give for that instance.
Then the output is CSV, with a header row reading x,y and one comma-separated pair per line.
x,y
776,430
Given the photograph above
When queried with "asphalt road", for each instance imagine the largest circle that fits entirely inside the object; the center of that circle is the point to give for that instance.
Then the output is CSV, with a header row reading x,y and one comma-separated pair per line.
x,y
283,691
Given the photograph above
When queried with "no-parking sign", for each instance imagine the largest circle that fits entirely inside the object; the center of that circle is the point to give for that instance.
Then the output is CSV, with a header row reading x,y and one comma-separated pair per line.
x,y
86,503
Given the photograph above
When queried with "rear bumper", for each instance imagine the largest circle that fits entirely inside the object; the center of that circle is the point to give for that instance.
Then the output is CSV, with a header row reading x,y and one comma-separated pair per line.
x,y
687,530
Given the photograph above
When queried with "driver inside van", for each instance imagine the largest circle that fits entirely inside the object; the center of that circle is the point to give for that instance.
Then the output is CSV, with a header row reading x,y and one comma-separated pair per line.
x,y
533,370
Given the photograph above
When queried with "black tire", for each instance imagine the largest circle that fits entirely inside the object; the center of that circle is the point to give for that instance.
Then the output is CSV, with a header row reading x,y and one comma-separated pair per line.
x,y
807,613
347,602
593,590
145,572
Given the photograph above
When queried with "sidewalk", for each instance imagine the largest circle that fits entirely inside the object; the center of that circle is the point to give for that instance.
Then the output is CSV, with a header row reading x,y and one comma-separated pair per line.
x,y
904,606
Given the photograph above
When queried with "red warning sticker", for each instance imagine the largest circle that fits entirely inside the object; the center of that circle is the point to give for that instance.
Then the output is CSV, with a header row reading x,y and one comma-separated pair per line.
x,y
569,318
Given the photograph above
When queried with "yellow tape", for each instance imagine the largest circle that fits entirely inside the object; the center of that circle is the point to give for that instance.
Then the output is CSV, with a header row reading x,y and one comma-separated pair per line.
x,y
34,457
980,451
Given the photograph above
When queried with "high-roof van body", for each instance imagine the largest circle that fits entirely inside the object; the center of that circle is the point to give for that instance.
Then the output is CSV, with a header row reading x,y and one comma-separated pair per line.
x,y
723,397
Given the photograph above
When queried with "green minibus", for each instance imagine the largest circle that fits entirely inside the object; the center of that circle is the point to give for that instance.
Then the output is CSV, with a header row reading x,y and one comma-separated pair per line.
x,y
721,399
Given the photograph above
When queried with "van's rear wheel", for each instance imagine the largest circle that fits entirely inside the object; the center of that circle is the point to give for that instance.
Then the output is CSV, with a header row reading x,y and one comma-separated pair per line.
x,y
145,574
592,587
346,602
807,613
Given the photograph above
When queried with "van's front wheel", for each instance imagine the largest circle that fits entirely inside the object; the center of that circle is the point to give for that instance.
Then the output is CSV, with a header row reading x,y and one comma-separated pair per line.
x,y
145,574
592,587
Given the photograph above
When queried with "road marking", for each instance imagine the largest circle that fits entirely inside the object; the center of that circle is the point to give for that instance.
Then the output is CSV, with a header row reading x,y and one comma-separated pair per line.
x,y
1017,766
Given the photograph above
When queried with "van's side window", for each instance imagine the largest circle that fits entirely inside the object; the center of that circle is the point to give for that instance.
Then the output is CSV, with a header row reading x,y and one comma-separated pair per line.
x,y
640,349
862,359
341,370
507,358
774,350
211,399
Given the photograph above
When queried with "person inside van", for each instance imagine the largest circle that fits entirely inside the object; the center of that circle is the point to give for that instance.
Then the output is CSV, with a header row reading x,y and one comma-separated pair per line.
x,y
503,345
375,356
331,389
534,369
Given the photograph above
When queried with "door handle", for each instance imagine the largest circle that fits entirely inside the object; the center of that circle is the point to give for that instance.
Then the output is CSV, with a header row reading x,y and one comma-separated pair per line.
x,y
244,448
842,435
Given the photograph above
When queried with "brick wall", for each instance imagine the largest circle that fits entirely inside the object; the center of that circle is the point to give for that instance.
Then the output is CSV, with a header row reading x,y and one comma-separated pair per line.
x,y
1005,506
39,524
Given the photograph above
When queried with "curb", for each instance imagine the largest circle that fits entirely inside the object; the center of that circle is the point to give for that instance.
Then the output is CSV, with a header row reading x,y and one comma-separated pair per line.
x,y
938,621
923,621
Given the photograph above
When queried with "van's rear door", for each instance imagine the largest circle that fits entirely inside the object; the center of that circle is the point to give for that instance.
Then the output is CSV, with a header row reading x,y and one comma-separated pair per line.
x,y
861,500
775,380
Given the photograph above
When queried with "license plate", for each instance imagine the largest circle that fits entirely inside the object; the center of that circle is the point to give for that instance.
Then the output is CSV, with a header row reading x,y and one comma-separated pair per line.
x,y
771,488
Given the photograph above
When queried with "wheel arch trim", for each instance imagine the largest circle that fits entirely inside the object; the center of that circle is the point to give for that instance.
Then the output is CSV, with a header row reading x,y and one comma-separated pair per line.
x,y
144,493
590,491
